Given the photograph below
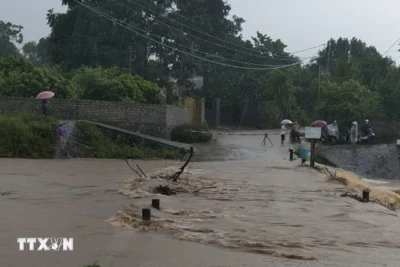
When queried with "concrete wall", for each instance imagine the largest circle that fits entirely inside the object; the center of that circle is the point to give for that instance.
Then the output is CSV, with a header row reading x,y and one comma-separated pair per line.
x,y
155,120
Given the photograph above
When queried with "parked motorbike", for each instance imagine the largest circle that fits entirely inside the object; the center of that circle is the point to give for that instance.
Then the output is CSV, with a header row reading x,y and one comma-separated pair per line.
x,y
336,140
368,138
331,135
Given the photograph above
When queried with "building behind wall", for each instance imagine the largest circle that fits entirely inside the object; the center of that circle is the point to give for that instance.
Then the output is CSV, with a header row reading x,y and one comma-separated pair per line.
x,y
223,112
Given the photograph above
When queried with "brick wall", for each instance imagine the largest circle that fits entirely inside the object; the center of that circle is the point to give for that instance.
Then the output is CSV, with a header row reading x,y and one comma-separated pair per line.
x,y
155,120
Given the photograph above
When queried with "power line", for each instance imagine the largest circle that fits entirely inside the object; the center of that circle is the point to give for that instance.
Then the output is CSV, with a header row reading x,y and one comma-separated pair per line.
x,y
200,38
391,47
208,41
204,64
202,32
205,53
117,22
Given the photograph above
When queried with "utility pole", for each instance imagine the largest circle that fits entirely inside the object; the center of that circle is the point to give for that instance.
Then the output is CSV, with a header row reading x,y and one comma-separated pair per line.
x,y
319,86
130,57
181,78
328,56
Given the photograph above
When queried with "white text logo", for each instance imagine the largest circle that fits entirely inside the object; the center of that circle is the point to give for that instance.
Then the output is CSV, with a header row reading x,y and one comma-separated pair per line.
x,y
46,244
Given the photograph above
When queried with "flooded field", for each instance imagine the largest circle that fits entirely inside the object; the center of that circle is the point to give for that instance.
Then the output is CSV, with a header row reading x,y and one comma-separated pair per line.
x,y
260,211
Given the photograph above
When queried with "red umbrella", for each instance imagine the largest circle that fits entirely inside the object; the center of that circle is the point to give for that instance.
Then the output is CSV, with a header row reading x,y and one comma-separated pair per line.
x,y
45,95
319,123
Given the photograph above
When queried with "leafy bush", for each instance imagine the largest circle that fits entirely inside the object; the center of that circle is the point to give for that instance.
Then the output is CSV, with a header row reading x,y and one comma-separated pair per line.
x,y
19,77
27,136
104,147
113,84
191,133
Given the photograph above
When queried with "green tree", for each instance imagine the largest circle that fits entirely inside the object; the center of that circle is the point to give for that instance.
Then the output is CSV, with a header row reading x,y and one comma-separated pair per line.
x,y
279,88
30,51
348,101
10,35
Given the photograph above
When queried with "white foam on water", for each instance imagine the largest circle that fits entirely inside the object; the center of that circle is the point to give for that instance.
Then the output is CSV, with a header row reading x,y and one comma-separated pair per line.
x,y
370,181
201,224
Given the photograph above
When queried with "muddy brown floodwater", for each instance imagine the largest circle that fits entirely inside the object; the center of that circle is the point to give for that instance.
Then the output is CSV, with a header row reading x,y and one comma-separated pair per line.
x,y
258,209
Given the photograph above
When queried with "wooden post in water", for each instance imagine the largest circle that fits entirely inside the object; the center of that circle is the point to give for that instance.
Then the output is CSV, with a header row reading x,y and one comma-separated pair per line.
x,y
146,216
365,195
155,203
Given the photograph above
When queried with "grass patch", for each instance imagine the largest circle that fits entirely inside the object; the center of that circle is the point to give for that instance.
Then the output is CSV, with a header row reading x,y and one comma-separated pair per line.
x,y
103,146
191,133
27,136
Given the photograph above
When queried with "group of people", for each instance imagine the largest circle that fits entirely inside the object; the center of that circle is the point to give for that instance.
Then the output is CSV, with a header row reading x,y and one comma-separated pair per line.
x,y
353,132
352,135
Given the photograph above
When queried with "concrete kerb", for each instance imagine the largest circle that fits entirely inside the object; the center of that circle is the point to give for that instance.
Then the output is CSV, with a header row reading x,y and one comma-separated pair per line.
x,y
149,138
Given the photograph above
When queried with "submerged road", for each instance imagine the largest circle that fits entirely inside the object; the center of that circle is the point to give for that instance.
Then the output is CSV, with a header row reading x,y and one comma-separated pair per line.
x,y
263,203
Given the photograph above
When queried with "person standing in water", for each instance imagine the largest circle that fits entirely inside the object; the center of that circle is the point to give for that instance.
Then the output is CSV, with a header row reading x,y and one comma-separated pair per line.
x,y
296,133
62,135
283,133
354,133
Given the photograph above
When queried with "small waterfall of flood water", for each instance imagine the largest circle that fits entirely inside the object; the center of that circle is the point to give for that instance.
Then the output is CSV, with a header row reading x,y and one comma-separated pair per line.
x,y
369,161
70,146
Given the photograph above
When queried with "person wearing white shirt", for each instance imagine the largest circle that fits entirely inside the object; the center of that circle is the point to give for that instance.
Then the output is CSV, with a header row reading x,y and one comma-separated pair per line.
x,y
283,133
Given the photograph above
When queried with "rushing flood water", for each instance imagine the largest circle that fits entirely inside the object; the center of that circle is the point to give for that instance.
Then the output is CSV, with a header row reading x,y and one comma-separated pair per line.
x,y
274,211
262,211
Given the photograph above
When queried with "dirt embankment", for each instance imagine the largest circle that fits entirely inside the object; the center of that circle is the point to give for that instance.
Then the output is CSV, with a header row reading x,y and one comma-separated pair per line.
x,y
369,161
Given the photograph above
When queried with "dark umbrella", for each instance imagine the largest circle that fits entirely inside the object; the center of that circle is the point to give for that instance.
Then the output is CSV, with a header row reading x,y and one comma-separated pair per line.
x,y
319,123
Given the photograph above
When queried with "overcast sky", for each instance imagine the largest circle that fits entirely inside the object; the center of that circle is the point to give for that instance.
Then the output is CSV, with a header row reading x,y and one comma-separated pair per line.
x,y
298,23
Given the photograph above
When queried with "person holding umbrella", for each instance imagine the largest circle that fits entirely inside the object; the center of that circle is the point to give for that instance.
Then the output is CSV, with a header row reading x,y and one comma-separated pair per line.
x,y
44,96
283,129
283,133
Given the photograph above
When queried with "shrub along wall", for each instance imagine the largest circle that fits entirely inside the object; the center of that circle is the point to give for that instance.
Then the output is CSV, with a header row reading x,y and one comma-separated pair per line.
x,y
156,120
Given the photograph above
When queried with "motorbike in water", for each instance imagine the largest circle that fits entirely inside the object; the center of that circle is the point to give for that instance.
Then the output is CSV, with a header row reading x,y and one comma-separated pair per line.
x,y
367,138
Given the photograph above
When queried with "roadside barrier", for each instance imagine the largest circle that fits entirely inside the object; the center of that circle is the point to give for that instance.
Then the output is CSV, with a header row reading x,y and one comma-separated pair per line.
x,y
249,134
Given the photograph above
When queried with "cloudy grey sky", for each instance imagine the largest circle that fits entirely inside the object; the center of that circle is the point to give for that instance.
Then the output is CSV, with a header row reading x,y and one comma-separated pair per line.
x,y
298,23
